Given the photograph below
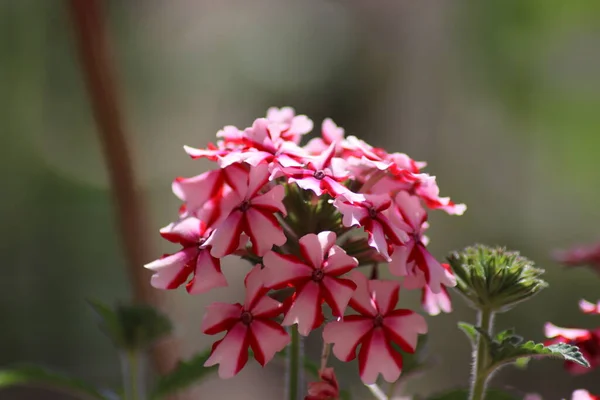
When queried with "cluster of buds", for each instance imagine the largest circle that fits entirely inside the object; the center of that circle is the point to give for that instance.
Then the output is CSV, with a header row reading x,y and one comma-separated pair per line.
x,y
307,217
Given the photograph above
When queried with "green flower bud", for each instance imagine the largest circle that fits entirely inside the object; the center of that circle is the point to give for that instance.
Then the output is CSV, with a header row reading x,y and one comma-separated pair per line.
x,y
494,278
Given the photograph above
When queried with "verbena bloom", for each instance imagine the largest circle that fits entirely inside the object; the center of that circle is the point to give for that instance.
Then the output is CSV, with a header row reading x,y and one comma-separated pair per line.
x,y
582,394
317,278
589,308
307,217
412,260
585,255
588,342
249,325
325,389
377,325
173,270
253,213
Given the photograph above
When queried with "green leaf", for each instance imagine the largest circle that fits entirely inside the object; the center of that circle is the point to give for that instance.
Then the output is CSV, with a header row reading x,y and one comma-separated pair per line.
x,y
512,349
39,376
463,394
132,327
469,330
185,374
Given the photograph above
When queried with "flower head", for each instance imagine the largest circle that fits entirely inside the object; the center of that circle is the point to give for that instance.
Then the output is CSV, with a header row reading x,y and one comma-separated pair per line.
x,y
588,342
377,327
249,325
581,255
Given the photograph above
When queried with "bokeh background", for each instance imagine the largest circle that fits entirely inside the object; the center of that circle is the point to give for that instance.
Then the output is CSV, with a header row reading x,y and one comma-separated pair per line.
x,y
500,97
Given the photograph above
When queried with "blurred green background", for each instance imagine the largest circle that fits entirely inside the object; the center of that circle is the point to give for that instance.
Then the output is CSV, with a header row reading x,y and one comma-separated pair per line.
x,y
500,97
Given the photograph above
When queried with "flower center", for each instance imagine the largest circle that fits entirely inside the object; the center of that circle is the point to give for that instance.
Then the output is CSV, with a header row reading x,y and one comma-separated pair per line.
x,y
372,212
378,321
319,174
318,275
245,206
246,318
201,242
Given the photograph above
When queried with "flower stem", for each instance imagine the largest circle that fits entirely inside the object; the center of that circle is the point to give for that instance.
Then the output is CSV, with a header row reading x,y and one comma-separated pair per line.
x,y
480,361
130,367
294,364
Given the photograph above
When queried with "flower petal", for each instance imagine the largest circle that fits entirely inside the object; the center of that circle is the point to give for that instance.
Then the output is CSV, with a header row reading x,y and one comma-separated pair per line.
x,y
172,271
346,335
377,239
264,231
337,293
226,237
552,331
266,339
258,177
283,269
376,357
410,207
398,265
306,309
385,294
338,262
220,317
589,308
434,303
361,300
266,307
207,274
314,247
231,353
404,327
272,201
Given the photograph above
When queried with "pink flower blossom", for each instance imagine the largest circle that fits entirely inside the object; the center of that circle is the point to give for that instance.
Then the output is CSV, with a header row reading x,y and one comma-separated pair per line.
x,y
291,127
581,255
330,134
412,260
250,325
435,303
321,174
589,308
371,214
317,279
326,389
588,342
582,394
171,271
375,328
253,213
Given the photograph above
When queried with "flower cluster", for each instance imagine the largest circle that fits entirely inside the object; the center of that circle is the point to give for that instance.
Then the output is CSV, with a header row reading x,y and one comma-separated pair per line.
x,y
307,217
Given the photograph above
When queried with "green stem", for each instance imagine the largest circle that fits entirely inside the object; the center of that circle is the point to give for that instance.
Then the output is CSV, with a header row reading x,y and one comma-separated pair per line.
x,y
294,364
480,361
131,370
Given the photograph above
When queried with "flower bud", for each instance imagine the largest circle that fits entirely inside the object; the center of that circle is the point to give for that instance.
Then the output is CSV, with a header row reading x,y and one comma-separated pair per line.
x,y
494,278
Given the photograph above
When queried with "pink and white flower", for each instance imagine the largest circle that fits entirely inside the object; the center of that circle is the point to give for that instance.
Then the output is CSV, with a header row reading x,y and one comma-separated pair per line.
x,y
330,134
582,394
172,271
412,259
589,308
291,127
253,213
316,278
435,303
250,325
375,328
371,214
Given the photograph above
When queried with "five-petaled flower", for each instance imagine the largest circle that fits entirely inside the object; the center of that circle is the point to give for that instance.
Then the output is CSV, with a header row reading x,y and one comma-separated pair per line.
x,y
249,325
316,278
253,213
377,326
588,342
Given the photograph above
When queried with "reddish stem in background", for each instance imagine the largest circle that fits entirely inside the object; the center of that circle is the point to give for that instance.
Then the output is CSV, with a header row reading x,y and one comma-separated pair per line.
x,y
93,49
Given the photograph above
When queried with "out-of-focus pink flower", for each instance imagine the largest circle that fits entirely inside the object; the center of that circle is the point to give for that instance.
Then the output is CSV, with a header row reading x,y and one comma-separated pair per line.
x,y
587,255
326,389
375,328
173,270
317,279
435,303
248,325
291,127
412,259
371,214
330,134
588,342
253,213
582,394
589,308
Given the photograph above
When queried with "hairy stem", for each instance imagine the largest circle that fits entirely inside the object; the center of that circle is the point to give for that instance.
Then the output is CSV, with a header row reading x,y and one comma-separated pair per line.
x,y
480,361
294,366
325,356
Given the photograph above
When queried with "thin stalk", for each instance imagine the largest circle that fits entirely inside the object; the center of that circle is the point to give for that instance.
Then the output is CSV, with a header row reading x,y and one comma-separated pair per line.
x,y
480,362
325,356
377,392
294,365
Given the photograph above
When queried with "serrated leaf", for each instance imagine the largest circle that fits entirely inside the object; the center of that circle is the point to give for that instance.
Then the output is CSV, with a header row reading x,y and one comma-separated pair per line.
x,y
35,375
509,352
469,330
132,327
463,394
185,374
